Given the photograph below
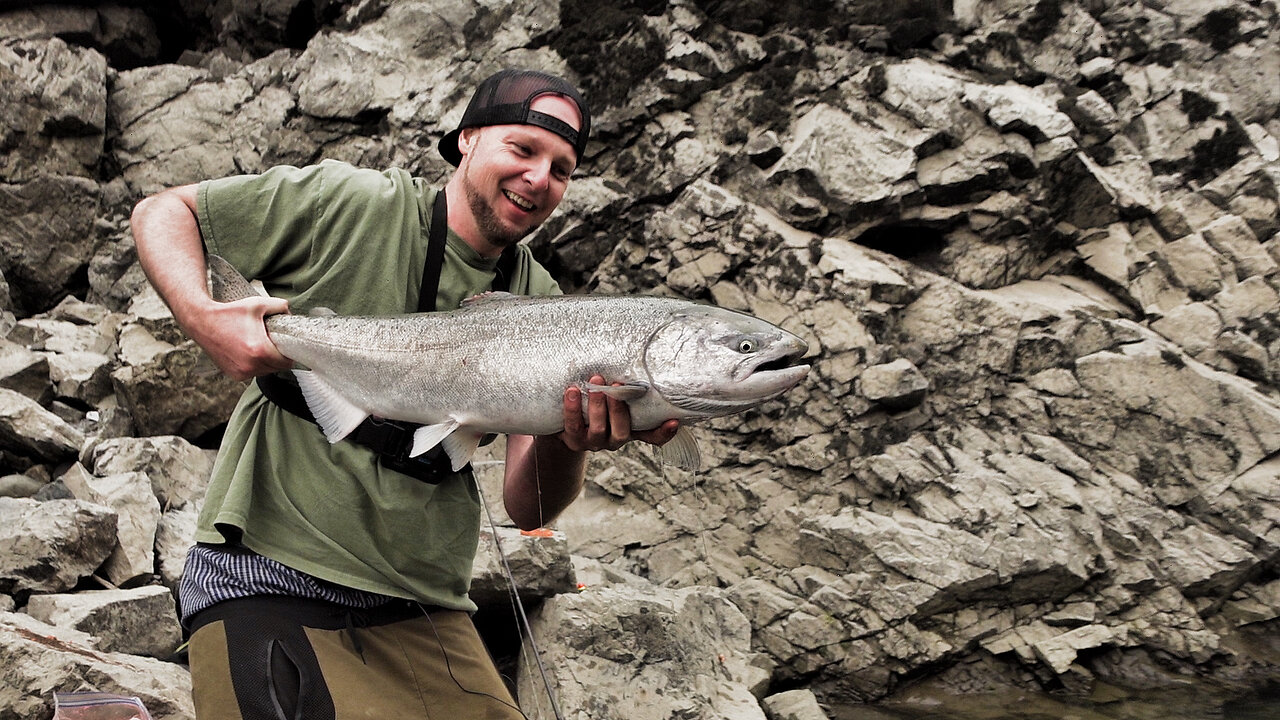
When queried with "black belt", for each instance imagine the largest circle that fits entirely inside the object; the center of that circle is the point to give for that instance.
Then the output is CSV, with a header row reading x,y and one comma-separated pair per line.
x,y
390,439
312,613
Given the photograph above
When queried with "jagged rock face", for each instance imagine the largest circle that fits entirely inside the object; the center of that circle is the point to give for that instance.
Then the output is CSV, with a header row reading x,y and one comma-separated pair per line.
x,y
1033,248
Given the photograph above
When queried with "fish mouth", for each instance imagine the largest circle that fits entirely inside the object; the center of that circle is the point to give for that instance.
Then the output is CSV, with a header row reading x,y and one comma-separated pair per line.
x,y
783,365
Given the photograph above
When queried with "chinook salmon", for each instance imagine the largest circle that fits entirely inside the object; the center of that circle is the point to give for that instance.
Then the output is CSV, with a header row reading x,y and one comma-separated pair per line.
x,y
501,363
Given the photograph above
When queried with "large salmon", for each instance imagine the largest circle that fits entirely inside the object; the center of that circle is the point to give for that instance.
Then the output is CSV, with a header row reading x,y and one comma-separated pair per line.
x,y
501,363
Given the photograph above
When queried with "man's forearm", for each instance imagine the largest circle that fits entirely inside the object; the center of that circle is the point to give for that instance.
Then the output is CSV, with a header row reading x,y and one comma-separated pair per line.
x,y
543,477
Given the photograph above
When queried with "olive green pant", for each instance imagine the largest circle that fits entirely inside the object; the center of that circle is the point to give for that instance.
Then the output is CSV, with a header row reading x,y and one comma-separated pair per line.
x,y
285,659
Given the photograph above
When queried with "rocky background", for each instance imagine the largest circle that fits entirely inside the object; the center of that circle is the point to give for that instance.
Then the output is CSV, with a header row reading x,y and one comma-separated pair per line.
x,y
1033,246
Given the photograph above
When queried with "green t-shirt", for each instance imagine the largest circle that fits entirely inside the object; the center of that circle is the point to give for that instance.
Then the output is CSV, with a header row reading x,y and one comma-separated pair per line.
x,y
353,241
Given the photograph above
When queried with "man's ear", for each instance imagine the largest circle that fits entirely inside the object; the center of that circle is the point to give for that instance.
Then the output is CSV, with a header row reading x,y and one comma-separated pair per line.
x,y
467,140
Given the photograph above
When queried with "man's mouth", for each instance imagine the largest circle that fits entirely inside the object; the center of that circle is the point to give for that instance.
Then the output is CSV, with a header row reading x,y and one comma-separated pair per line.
x,y
519,201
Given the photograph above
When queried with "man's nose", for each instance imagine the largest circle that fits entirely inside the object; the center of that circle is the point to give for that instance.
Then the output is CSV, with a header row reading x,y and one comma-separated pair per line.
x,y
538,174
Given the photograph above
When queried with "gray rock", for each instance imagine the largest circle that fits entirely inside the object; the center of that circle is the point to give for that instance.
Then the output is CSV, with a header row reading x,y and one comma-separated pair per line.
x,y
173,393
540,566
137,512
55,97
19,486
179,471
794,705
48,238
686,652
25,371
38,657
142,621
897,385
28,429
50,546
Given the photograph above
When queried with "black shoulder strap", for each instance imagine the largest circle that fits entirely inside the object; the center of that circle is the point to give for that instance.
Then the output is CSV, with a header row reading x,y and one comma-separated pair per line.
x,y
437,236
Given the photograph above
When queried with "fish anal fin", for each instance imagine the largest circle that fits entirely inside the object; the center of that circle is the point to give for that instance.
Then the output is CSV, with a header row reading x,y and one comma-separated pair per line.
x,y
336,415
681,451
625,391
461,446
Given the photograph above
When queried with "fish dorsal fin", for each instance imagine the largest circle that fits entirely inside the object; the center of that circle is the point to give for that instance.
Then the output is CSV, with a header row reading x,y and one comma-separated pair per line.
x,y
626,391
488,297
681,451
336,415
321,312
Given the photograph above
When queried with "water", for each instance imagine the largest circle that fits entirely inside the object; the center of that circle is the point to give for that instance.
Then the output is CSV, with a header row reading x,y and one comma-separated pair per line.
x,y
1014,705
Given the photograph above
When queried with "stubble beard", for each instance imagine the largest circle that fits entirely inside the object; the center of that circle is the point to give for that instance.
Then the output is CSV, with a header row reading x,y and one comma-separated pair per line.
x,y
487,222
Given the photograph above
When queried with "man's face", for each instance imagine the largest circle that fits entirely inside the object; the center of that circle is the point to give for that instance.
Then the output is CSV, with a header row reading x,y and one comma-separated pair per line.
x,y
515,175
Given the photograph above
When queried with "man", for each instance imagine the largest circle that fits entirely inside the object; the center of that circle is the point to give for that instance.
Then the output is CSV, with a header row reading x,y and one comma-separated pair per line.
x,y
330,581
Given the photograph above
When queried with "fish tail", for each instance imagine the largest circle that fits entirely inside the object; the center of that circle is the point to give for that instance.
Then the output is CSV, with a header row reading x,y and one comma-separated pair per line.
x,y
228,284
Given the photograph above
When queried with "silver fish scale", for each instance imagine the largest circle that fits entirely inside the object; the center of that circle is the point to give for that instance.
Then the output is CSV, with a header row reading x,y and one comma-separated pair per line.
x,y
497,365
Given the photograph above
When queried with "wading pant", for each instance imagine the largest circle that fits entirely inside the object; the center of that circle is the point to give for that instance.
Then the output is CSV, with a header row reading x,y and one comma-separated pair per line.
x,y
274,658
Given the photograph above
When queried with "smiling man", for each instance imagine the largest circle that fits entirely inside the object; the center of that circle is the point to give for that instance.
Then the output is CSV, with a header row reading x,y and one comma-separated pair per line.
x,y
330,580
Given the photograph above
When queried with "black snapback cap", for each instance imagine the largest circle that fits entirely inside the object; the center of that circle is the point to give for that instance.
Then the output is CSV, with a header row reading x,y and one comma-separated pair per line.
x,y
504,99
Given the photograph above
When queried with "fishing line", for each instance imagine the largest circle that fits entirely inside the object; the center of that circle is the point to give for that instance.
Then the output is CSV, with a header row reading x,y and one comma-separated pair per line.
x,y
449,666
522,618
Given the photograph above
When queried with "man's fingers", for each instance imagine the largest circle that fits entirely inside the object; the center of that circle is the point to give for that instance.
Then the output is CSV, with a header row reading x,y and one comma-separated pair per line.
x,y
660,435
573,412
597,417
619,423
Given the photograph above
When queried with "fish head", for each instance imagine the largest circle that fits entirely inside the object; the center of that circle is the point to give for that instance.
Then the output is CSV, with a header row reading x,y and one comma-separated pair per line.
x,y
710,361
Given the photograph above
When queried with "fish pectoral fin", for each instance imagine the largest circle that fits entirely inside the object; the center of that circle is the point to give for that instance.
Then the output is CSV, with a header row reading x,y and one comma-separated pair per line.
x,y
336,415
428,436
625,391
681,451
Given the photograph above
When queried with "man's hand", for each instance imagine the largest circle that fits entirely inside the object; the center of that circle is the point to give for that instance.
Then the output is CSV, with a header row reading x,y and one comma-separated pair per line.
x,y
607,425
167,235
235,337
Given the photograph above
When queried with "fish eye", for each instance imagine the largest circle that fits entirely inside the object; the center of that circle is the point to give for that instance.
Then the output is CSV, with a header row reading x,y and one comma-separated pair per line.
x,y
747,345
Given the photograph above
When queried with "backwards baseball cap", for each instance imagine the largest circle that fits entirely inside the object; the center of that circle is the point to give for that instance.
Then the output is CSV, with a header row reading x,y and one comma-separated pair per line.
x,y
504,99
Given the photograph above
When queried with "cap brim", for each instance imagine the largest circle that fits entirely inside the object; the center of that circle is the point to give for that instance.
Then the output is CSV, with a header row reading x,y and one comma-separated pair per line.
x,y
448,148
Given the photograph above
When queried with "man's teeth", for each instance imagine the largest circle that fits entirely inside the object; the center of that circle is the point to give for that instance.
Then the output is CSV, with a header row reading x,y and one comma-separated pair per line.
x,y
524,204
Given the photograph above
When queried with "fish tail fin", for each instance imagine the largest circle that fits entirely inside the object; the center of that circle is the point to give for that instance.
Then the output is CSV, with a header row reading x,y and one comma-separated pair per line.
x,y
336,415
681,451
228,284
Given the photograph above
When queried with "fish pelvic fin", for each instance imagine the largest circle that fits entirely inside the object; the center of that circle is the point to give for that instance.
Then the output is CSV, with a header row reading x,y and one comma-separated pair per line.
x,y
428,436
227,282
336,415
681,451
